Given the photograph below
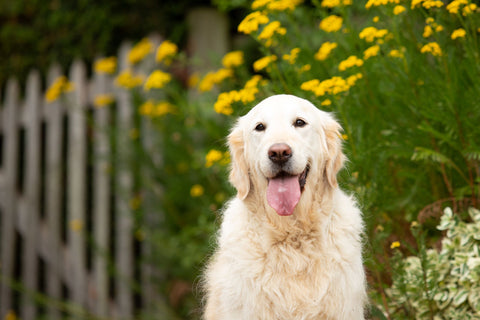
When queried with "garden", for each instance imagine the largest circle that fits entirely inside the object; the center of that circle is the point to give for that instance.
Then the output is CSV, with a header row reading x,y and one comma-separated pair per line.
x,y
402,78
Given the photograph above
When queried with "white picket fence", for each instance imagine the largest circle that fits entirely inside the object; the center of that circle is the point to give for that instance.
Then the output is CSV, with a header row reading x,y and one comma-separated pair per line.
x,y
55,200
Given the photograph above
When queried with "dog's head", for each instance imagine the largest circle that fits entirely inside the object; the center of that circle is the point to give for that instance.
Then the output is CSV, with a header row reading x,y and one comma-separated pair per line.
x,y
282,147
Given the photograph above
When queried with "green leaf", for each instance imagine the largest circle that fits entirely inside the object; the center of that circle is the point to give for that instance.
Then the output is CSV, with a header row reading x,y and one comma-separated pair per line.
x,y
460,297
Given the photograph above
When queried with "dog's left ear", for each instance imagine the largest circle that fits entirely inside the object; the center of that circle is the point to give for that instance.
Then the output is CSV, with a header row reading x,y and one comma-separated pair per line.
x,y
239,177
335,157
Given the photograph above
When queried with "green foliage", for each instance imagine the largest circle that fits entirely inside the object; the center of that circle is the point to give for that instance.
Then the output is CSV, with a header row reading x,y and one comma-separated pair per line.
x,y
441,284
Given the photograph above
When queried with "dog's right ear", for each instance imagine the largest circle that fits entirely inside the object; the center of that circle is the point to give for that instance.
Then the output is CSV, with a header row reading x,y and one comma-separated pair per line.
x,y
239,176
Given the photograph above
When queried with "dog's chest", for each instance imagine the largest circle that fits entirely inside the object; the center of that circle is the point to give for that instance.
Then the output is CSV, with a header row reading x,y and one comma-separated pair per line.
x,y
286,273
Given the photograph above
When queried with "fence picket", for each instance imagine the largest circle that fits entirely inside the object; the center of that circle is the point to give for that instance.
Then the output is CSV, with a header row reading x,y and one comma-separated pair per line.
x,y
53,113
124,225
32,193
101,201
76,217
9,189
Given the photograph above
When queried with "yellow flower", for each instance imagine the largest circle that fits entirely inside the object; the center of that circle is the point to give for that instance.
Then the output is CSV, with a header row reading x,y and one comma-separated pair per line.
x,y
458,33
350,62
233,59
394,245
276,5
325,50
371,52
212,157
376,19
140,51
326,102
213,78
292,57
128,80
415,3
467,10
151,109
223,105
11,315
335,3
60,85
157,79
344,137
427,31
454,6
165,51
414,224
106,65
252,21
196,191
396,54
253,81
432,48
353,79
305,68
76,225
103,100
398,9
372,33
331,23
376,3
333,86
270,29
429,4
262,63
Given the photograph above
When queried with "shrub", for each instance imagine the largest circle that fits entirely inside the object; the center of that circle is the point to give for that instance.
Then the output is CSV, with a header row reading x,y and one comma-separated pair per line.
x,y
441,284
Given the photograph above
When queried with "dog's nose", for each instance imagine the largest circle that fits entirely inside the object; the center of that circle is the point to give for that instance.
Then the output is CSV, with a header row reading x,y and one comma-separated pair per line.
x,y
279,153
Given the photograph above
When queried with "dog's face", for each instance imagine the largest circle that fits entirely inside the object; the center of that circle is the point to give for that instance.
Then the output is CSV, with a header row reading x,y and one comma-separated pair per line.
x,y
281,147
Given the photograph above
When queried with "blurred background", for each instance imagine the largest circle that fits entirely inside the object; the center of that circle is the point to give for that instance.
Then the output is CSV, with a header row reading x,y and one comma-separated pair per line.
x,y
113,163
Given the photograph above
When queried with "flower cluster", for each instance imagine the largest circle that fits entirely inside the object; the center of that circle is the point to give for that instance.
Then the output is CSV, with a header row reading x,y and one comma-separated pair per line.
x,y
275,5
333,86
350,62
103,100
215,156
372,33
214,77
432,48
157,79
106,65
59,86
140,51
165,52
252,21
325,50
245,95
331,23
152,109
128,80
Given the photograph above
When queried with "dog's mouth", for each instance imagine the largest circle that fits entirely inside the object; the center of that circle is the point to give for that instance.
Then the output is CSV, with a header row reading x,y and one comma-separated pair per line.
x,y
284,191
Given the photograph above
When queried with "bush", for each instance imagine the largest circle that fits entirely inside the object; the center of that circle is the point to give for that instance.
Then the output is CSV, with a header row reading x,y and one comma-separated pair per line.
x,y
441,284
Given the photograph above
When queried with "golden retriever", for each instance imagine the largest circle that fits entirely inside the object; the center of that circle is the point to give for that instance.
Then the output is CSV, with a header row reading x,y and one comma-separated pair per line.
x,y
290,243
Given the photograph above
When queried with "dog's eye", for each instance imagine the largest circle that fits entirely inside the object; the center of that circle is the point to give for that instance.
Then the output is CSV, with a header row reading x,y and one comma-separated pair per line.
x,y
299,123
260,127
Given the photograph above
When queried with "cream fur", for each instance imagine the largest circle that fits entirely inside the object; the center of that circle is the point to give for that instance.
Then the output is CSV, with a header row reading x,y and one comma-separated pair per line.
x,y
304,266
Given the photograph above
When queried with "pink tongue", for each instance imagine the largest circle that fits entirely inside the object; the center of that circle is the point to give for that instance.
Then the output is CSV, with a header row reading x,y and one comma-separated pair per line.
x,y
283,194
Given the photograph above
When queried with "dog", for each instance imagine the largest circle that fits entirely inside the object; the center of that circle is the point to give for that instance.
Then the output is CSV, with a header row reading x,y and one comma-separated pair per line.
x,y
290,243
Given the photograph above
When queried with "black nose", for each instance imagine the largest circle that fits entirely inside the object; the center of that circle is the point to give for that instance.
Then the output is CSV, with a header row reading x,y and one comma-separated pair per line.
x,y
279,153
